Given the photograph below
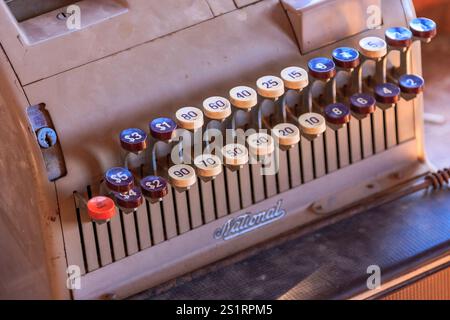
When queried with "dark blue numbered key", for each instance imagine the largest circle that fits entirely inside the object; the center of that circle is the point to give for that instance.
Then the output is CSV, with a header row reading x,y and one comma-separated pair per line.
x,y
423,28
347,58
399,37
154,187
129,200
337,114
387,93
162,128
322,68
119,179
411,84
133,140
362,104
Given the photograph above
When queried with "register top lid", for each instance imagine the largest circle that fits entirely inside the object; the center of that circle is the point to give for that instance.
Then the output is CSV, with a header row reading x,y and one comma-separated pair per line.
x,y
302,5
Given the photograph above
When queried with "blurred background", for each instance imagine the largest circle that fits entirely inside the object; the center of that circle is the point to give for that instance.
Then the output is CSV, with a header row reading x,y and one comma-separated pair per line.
x,y
436,70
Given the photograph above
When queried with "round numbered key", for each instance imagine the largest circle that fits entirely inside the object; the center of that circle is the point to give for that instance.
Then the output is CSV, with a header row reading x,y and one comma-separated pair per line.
x,y
423,28
411,84
387,93
286,134
346,58
373,47
312,124
295,78
133,140
337,113
235,154
260,144
208,165
182,176
322,68
154,187
270,87
189,118
217,108
129,200
162,128
243,97
119,179
398,37
101,208
362,104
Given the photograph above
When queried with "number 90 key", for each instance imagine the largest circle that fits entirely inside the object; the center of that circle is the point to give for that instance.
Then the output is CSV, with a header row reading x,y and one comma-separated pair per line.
x,y
182,176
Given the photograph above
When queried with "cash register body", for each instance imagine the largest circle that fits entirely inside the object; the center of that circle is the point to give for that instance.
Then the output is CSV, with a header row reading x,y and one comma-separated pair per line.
x,y
145,60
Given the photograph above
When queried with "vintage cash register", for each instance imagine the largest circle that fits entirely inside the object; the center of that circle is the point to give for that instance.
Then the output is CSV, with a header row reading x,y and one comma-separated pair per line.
x,y
143,140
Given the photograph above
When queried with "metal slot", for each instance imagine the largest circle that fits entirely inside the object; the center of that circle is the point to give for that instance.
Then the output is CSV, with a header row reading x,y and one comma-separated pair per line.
x,y
354,140
47,139
295,166
284,172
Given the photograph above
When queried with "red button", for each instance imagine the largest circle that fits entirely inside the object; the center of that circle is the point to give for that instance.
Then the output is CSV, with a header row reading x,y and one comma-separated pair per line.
x,y
101,208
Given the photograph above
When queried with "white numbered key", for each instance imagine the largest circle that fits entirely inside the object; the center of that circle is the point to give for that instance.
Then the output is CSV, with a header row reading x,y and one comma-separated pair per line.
x,y
312,123
260,144
189,118
270,87
235,154
295,78
286,134
217,108
373,47
208,165
182,176
243,97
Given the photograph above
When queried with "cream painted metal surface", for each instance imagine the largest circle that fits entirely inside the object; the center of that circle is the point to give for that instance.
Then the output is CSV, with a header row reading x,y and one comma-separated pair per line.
x,y
307,16
148,62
